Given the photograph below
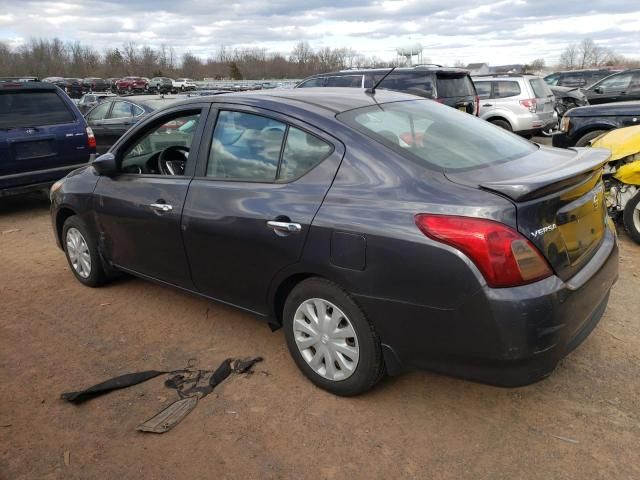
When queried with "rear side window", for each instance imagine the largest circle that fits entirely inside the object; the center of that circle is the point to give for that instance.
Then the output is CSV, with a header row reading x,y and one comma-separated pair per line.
x,y
418,83
33,109
345,81
454,86
121,110
245,147
483,89
540,88
436,136
504,89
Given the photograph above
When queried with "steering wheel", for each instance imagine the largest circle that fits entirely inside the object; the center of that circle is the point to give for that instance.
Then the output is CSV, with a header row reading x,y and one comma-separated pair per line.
x,y
173,159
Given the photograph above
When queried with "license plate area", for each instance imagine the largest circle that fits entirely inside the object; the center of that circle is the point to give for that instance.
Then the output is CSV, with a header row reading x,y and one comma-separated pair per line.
x,y
33,149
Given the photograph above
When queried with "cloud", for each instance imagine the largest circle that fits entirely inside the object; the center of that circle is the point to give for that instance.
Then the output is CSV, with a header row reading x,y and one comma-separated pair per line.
x,y
504,31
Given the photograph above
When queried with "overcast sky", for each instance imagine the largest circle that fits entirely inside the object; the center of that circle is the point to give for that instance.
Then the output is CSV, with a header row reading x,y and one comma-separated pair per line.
x,y
509,31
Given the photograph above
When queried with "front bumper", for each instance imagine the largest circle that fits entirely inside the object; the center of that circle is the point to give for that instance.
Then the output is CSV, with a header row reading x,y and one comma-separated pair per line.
x,y
507,337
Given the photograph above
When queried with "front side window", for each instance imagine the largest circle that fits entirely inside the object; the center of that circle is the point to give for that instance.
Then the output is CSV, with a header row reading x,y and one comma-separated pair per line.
x,y
435,136
617,82
483,89
163,149
313,82
254,148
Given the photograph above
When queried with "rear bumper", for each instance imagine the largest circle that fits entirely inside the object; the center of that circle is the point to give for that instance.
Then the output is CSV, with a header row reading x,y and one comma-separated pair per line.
x,y
35,180
507,337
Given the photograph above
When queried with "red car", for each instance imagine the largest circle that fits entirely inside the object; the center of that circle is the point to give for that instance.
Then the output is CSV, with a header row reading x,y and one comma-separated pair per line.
x,y
132,84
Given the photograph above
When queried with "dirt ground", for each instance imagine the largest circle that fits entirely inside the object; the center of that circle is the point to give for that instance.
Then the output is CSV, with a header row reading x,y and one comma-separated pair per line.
x,y
56,335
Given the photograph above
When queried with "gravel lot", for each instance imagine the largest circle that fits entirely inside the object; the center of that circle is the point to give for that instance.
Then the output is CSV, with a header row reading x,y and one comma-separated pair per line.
x,y
56,336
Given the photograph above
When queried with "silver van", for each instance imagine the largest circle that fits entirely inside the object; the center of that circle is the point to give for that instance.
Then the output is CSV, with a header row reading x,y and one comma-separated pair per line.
x,y
520,103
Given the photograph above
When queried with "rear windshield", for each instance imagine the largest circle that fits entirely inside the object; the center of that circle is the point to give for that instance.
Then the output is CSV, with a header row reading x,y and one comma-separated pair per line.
x,y
32,109
455,86
540,88
437,136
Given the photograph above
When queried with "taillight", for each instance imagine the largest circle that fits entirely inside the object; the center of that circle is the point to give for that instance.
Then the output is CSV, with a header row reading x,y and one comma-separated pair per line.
x,y
91,138
477,106
505,258
529,103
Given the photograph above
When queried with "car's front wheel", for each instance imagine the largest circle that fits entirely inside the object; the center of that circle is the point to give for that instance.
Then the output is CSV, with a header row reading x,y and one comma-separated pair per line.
x,y
81,249
330,338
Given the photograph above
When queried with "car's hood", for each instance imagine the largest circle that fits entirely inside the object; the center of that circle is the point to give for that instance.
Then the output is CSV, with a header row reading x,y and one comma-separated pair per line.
x,y
607,110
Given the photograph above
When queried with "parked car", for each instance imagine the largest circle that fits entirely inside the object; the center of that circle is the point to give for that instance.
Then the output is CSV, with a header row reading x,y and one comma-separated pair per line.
x,y
111,118
112,83
161,85
89,100
568,98
451,86
183,84
131,85
519,103
43,136
72,86
619,87
580,126
19,79
381,230
94,84
577,78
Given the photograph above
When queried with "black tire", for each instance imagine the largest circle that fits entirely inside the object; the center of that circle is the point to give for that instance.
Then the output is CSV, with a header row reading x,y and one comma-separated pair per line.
x,y
631,218
585,140
370,367
97,275
502,124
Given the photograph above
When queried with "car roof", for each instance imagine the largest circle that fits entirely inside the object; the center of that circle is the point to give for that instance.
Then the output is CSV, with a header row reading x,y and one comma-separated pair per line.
x,y
328,101
416,69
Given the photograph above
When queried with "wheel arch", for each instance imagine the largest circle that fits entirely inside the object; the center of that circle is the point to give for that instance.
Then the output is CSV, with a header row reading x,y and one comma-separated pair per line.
x,y
499,117
61,217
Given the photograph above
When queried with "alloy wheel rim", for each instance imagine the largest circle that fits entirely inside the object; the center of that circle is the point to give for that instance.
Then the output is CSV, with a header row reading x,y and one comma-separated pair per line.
x,y
326,339
78,252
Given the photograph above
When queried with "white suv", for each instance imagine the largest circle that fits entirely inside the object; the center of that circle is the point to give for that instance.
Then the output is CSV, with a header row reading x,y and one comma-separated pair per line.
x,y
184,84
520,103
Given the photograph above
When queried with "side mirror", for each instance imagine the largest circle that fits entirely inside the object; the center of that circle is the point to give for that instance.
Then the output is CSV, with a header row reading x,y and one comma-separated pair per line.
x,y
598,90
105,165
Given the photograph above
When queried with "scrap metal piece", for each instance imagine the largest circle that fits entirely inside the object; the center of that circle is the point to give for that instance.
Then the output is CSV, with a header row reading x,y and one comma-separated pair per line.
x,y
170,416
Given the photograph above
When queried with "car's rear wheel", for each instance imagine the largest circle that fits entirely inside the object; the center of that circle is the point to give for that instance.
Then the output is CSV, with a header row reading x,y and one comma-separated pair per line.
x,y
502,124
81,249
631,217
585,140
330,338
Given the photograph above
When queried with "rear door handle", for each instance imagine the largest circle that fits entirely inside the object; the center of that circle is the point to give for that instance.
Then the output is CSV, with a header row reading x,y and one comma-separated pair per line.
x,y
287,227
161,207
488,105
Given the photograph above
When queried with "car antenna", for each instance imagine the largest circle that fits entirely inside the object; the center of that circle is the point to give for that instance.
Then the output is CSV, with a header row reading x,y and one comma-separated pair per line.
x,y
372,90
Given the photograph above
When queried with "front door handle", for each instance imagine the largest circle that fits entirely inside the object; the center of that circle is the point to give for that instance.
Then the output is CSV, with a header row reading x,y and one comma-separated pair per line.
x,y
488,105
161,207
287,227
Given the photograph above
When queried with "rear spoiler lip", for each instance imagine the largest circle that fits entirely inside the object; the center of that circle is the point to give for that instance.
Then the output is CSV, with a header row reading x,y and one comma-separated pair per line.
x,y
587,160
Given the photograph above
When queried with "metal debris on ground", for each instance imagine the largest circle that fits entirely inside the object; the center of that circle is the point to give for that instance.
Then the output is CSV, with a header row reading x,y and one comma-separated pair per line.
x,y
190,383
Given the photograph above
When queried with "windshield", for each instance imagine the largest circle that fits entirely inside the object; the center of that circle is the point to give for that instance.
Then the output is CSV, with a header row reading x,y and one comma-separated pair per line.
x,y
437,136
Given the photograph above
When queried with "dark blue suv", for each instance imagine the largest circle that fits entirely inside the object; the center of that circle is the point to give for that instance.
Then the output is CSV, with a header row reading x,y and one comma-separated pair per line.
x,y
43,136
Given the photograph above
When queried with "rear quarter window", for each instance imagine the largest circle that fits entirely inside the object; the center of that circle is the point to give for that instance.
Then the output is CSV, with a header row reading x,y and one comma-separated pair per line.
x,y
540,88
455,86
33,109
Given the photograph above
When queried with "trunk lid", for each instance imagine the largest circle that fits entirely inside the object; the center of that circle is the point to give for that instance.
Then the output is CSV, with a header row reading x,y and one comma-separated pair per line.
x,y
559,200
